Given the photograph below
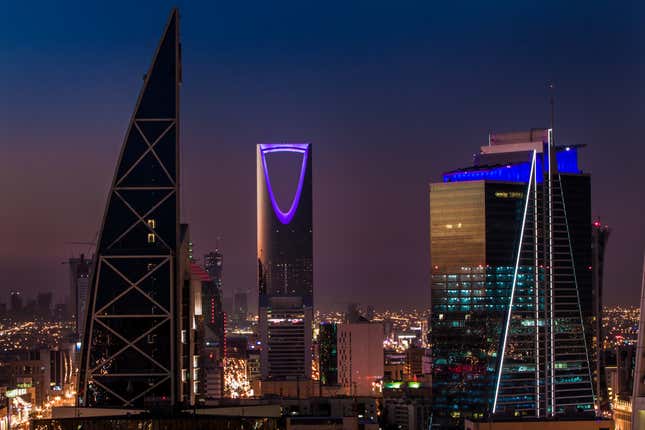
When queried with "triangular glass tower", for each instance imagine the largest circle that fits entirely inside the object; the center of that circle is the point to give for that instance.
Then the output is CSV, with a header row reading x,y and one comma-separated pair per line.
x,y
544,362
130,347
512,315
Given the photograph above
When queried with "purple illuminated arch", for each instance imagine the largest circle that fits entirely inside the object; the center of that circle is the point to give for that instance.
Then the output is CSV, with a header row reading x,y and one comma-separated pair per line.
x,y
301,148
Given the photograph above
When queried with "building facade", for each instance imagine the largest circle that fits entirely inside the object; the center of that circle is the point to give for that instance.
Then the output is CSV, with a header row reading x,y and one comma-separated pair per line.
x,y
285,270
135,350
49,372
599,239
511,298
214,265
328,353
360,358
80,273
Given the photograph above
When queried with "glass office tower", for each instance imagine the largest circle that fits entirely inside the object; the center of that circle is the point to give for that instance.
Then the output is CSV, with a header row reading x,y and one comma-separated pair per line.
x,y
285,269
511,311
135,341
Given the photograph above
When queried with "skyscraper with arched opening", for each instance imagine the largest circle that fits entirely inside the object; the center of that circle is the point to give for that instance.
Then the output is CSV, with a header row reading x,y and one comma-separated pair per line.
x,y
285,269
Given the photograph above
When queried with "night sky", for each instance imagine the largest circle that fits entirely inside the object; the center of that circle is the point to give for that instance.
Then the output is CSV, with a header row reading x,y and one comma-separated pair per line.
x,y
390,94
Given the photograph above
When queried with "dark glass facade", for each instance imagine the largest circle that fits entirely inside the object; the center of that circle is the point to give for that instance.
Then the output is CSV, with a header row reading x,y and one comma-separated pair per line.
x,y
212,298
600,236
328,353
285,270
130,352
474,231
511,311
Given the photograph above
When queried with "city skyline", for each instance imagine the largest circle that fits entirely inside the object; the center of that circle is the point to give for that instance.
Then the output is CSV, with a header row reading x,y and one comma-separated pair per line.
x,y
433,119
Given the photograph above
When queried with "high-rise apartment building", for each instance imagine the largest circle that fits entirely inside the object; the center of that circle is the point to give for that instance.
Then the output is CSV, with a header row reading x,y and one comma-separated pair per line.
x,y
511,295
136,350
285,269
360,357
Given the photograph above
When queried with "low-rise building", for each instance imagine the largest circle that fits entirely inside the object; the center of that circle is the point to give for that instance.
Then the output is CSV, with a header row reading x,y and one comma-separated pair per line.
x,y
541,424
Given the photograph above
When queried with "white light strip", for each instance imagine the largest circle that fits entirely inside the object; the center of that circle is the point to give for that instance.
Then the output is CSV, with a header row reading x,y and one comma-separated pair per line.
x,y
551,278
517,266
536,289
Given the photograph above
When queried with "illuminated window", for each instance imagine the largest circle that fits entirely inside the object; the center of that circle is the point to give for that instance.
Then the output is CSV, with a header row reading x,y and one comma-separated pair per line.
x,y
152,223
151,238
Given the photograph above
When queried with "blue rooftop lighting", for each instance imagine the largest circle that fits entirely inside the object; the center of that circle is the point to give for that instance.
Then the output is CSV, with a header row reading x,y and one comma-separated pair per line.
x,y
566,158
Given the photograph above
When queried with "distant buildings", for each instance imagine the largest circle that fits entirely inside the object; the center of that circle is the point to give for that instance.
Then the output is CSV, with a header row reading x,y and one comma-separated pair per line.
x,y
80,273
512,314
285,271
48,371
214,265
240,310
360,358
16,303
44,305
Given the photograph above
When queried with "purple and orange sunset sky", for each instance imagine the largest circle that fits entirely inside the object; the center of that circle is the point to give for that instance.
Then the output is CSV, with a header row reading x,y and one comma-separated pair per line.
x,y
390,94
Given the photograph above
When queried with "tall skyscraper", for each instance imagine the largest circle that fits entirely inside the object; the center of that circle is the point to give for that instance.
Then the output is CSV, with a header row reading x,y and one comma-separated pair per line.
x,y
137,332
511,311
285,270
214,351
212,296
599,238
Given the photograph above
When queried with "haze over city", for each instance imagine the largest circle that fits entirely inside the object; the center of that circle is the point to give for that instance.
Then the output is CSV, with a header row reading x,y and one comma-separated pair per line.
x,y
391,97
